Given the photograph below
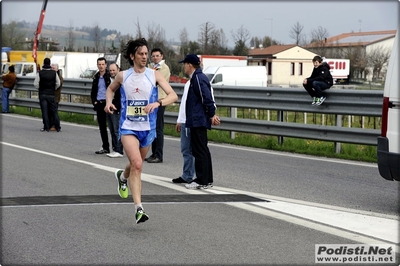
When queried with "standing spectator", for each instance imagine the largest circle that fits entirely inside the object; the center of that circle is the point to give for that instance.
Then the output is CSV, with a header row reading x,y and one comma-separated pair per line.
x,y
101,80
186,148
113,119
139,104
47,81
9,81
55,67
200,115
157,146
320,80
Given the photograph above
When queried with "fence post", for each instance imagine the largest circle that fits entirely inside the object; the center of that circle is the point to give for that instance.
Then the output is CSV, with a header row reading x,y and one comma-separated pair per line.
x,y
338,145
233,115
280,119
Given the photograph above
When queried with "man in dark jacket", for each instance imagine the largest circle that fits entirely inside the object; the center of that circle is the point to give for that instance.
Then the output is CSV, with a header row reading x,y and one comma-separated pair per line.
x,y
101,80
47,81
320,80
200,115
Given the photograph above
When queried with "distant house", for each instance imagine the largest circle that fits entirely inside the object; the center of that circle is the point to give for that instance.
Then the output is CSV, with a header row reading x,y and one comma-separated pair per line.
x,y
286,65
359,47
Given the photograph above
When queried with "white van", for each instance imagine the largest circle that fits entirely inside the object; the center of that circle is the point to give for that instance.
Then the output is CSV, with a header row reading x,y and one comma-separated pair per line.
x,y
22,69
237,75
388,150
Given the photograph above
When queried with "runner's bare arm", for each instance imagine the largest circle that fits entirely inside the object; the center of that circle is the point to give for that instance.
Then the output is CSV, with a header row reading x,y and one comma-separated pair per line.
x,y
171,95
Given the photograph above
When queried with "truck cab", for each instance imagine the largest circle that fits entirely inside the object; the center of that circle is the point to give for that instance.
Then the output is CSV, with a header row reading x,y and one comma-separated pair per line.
x,y
22,69
388,148
237,75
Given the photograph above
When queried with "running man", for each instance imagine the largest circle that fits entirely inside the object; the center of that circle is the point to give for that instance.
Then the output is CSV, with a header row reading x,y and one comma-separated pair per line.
x,y
139,104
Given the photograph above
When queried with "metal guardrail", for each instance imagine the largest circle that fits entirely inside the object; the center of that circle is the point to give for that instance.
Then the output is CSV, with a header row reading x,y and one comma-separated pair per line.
x,y
340,102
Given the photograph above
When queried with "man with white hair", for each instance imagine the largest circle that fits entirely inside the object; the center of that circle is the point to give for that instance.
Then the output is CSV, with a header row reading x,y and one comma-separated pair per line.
x,y
57,94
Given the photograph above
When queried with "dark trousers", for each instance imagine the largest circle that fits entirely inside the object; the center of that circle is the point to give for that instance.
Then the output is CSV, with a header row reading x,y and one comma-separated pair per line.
x,y
202,155
51,118
158,144
102,121
48,105
113,125
315,89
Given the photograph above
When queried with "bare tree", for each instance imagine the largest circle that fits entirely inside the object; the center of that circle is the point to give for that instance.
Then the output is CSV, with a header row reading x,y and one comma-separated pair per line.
x,y
377,58
241,34
138,30
318,40
12,36
296,33
96,37
319,34
184,39
71,37
240,37
206,30
156,36
358,59
215,42
223,43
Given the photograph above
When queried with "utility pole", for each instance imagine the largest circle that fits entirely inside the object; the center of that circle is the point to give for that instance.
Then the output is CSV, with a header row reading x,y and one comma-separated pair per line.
x,y
272,20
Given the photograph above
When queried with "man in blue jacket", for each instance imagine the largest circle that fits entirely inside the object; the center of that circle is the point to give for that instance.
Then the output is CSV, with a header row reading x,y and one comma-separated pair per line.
x,y
101,81
200,115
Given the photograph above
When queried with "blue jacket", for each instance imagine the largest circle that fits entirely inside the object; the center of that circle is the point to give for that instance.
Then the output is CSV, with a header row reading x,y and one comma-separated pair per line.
x,y
200,104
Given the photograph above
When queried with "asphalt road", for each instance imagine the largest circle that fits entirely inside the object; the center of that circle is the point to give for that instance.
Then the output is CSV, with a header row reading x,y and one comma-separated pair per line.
x,y
60,206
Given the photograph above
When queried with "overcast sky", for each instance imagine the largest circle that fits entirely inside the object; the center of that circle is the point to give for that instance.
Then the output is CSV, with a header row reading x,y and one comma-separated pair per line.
x,y
261,18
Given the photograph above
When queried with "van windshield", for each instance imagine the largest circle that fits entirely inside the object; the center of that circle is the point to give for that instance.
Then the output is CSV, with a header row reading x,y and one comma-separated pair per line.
x,y
88,73
18,68
209,76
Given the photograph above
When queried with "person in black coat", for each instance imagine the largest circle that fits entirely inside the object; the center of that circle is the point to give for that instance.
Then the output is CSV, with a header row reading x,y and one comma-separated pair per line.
x,y
47,81
101,80
320,80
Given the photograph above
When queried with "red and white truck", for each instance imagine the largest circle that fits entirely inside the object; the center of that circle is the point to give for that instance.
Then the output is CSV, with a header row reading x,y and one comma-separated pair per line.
x,y
340,69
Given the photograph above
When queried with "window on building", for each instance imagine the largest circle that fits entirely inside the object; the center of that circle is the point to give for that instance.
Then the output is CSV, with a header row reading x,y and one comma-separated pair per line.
x,y
292,69
300,69
269,68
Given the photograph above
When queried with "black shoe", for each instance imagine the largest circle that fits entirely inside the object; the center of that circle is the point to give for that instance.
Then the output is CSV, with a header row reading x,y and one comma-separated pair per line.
x,y
44,130
150,157
154,160
179,180
102,151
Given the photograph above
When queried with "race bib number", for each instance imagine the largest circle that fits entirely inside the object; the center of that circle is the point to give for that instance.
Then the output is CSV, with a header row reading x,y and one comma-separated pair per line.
x,y
135,110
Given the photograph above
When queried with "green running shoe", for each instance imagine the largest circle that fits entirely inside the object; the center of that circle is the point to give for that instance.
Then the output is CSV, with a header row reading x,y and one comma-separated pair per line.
x,y
122,186
141,216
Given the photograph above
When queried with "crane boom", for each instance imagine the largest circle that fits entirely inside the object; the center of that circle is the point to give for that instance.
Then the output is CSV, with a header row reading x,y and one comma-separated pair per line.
x,y
37,33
